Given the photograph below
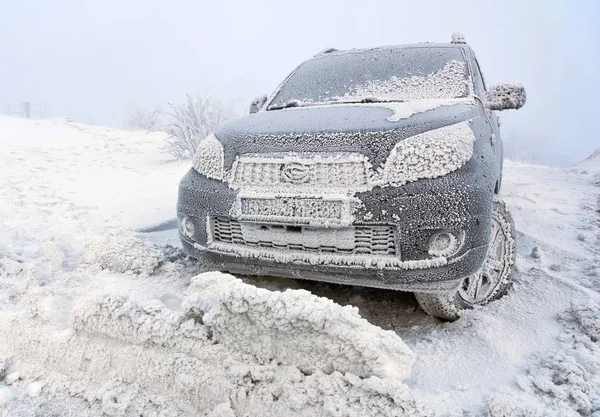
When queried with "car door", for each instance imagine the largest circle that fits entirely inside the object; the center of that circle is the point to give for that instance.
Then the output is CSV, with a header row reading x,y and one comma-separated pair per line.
x,y
495,139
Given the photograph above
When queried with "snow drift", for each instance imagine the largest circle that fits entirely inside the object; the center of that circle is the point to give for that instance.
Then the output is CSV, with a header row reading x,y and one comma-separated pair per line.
x,y
296,328
261,352
96,319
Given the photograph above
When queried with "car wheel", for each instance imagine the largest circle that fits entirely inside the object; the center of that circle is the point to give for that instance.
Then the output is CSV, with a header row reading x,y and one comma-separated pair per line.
x,y
489,283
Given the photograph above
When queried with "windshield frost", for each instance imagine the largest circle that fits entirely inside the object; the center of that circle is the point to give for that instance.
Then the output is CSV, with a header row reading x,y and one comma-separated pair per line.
x,y
404,74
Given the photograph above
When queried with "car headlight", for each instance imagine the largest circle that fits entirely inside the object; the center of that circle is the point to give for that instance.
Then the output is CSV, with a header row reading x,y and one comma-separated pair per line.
x,y
430,154
209,159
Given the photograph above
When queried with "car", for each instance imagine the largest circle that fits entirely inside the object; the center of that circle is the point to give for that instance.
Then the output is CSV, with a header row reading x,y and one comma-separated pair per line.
x,y
378,167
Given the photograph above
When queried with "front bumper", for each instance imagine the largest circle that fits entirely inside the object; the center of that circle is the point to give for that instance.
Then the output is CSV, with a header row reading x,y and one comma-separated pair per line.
x,y
460,202
440,278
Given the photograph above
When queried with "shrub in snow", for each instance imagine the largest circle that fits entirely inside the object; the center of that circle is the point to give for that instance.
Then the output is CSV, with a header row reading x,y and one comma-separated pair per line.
x,y
141,118
192,121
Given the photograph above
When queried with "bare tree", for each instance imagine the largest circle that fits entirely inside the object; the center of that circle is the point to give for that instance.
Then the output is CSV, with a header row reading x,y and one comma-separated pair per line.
x,y
192,121
139,117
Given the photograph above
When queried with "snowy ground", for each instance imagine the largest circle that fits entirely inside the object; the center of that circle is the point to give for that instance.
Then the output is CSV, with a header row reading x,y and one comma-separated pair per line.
x,y
96,318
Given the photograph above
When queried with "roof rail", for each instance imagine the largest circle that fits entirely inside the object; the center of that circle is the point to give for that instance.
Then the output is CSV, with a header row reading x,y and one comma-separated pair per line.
x,y
458,37
326,51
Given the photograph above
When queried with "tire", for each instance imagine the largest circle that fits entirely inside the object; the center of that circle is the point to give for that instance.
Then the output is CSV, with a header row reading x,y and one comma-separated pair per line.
x,y
489,283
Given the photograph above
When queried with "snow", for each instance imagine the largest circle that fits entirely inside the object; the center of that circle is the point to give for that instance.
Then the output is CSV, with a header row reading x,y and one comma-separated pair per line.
x,y
404,110
35,389
505,96
296,328
316,258
407,96
97,319
12,378
430,154
209,158
458,37
592,162
448,83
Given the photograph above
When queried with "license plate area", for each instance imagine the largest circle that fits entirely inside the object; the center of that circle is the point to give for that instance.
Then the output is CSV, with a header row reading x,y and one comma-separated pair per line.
x,y
295,210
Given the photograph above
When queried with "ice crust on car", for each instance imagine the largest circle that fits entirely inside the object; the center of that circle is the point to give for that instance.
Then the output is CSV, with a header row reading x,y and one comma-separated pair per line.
x,y
404,110
407,96
209,158
294,256
502,96
430,154
450,82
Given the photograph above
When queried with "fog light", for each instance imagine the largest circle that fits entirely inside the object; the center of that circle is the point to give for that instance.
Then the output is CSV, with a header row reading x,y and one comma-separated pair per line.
x,y
445,243
187,227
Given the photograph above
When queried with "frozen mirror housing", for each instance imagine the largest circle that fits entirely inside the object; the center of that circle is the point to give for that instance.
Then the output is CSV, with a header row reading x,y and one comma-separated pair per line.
x,y
505,96
257,104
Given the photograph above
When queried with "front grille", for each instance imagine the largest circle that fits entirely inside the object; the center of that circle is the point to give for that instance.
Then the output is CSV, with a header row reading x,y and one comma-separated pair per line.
x,y
377,240
344,171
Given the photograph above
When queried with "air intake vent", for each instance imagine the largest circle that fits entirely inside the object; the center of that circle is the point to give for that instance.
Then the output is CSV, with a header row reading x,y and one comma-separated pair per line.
x,y
377,240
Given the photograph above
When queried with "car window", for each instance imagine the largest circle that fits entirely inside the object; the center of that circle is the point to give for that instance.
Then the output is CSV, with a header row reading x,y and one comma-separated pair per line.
x,y
393,74
478,69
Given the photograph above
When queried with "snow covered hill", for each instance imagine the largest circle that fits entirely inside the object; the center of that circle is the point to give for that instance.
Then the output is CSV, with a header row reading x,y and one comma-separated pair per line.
x,y
592,162
98,319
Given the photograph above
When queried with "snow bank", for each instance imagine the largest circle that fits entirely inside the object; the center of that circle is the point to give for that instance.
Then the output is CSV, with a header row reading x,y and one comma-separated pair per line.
x,y
122,254
592,162
123,319
296,328
236,350
564,381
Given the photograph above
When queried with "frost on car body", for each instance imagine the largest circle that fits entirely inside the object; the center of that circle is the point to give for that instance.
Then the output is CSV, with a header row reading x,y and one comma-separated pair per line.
x,y
375,167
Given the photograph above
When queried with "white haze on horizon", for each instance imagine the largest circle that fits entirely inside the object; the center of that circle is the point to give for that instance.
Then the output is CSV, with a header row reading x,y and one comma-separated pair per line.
x,y
90,60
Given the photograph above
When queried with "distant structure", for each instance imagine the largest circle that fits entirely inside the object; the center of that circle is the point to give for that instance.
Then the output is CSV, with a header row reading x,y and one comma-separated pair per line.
x,y
26,110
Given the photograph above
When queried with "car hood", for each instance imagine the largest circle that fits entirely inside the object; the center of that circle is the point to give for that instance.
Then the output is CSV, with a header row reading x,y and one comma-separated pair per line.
x,y
363,128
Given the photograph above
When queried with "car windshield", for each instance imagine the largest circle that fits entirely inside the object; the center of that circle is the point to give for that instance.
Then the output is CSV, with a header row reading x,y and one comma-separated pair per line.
x,y
377,75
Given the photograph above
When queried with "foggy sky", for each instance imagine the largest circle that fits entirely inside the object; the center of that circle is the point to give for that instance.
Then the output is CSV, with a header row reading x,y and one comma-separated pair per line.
x,y
89,60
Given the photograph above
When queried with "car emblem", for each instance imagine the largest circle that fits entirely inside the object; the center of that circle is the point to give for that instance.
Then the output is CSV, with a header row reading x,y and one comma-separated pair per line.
x,y
295,173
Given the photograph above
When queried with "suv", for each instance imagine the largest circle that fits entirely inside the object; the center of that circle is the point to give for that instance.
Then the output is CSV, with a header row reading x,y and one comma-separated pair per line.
x,y
376,167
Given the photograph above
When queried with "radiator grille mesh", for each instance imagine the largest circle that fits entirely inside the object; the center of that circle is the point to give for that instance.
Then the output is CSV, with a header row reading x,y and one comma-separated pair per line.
x,y
376,240
330,173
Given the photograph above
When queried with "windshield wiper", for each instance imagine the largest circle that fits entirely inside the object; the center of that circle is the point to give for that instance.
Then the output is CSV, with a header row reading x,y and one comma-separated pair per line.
x,y
298,103
288,104
379,100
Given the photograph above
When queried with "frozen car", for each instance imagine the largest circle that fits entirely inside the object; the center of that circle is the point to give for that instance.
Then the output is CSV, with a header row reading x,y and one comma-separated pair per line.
x,y
378,167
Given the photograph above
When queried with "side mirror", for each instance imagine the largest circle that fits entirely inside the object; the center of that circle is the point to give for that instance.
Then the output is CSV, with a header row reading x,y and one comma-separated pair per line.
x,y
257,104
505,97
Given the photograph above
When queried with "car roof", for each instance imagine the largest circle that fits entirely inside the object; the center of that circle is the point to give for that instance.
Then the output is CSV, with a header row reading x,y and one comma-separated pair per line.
x,y
334,52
